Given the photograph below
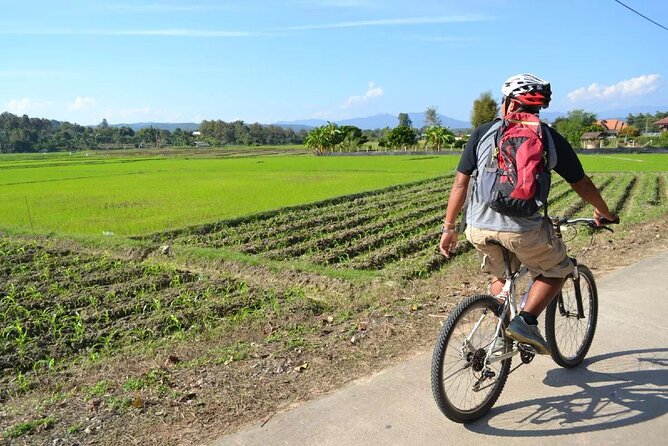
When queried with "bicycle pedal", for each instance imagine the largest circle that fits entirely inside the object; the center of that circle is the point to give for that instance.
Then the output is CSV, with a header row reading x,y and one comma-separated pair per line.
x,y
526,348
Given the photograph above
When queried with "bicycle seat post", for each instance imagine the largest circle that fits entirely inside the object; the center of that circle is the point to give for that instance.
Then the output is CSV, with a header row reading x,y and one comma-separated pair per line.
x,y
506,262
506,291
556,224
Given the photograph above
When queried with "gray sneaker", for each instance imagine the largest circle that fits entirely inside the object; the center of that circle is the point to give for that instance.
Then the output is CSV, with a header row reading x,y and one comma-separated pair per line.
x,y
522,332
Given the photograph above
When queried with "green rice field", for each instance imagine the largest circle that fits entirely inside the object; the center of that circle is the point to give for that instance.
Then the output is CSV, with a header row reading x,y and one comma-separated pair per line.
x,y
134,196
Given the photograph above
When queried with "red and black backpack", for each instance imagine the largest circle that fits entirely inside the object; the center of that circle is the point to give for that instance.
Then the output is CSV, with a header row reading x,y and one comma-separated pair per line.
x,y
515,178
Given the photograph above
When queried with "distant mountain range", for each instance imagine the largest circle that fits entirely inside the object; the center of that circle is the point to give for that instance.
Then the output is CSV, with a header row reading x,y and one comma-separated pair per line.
x,y
383,120
379,121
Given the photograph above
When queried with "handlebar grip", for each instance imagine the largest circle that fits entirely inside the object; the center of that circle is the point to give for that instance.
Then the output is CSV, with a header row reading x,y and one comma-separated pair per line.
x,y
605,221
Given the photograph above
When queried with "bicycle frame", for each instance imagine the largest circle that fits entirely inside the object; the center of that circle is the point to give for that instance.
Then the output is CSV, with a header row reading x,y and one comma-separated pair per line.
x,y
509,306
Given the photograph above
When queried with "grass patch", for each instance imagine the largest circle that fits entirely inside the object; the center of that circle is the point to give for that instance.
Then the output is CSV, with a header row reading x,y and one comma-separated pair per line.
x,y
631,162
98,390
29,426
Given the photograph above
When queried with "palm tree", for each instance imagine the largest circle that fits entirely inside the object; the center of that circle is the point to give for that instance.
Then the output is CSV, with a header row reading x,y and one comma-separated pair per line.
x,y
439,137
322,138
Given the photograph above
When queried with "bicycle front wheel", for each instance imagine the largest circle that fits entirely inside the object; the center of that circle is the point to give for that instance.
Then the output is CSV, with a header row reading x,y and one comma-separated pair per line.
x,y
465,385
568,333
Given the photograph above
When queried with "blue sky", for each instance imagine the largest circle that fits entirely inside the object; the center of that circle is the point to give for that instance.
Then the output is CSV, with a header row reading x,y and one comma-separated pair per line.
x,y
265,61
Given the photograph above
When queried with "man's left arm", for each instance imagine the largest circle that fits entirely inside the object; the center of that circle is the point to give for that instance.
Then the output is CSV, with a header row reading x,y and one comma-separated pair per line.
x,y
456,201
570,168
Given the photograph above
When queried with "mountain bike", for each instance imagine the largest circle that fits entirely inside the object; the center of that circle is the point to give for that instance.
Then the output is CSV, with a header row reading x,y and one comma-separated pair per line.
x,y
472,357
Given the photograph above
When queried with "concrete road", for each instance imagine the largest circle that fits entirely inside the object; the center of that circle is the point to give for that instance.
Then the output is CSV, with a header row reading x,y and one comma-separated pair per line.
x,y
619,395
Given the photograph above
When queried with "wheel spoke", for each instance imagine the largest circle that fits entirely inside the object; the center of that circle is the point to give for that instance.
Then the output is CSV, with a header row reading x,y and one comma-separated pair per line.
x,y
460,369
569,336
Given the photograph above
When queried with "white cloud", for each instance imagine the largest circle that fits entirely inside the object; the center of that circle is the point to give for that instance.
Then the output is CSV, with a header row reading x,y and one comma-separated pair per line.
x,y
81,103
187,32
394,22
27,106
637,86
171,32
373,91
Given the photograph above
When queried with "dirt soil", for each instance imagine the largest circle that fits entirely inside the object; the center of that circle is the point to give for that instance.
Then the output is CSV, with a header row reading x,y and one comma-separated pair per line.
x,y
193,389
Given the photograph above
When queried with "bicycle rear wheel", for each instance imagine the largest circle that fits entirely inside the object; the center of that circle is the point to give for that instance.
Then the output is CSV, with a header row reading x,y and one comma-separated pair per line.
x,y
464,386
569,336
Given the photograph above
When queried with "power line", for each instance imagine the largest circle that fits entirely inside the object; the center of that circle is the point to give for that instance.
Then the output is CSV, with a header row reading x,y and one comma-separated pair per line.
x,y
643,16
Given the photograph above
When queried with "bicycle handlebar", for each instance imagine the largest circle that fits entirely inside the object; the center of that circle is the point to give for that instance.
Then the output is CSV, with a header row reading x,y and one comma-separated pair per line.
x,y
590,222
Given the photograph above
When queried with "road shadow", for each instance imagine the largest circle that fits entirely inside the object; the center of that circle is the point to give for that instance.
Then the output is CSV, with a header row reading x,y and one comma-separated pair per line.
x,y
614,390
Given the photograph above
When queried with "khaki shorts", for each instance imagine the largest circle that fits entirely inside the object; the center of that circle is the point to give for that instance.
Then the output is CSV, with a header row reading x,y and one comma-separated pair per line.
x,y
538,249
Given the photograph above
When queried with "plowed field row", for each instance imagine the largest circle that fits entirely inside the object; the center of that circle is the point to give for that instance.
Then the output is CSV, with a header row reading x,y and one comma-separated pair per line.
x,y
376,217
397,229
385,228
58,304
237,231
300,224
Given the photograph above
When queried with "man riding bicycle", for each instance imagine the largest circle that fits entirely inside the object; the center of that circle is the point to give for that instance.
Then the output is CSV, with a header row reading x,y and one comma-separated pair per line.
x,y
530,240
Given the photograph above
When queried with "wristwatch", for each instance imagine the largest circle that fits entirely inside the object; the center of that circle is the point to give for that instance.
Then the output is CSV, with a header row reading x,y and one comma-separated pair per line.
x,y
445,228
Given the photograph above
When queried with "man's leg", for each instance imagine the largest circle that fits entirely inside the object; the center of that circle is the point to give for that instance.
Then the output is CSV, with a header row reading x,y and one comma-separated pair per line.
x,y
524,327
546,258
491,256
542,291
496,286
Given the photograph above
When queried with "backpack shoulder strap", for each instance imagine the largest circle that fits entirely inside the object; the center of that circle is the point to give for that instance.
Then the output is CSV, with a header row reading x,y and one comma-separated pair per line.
x,y
551,153
496,125
490,133
550,148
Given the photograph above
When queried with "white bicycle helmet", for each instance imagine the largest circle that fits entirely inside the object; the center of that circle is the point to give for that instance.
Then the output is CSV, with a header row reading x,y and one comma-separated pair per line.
x,y
528,89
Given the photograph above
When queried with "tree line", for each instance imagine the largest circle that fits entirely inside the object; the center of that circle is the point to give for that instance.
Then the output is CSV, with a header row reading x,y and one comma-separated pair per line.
x,y
26,134
221,133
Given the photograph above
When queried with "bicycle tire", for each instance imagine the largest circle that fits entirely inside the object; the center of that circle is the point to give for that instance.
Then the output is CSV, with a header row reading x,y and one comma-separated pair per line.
x,y
449,343
563,328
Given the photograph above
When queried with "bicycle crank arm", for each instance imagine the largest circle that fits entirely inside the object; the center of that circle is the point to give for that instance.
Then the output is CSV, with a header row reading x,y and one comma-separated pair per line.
x,y
502,357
